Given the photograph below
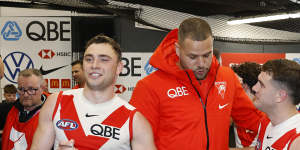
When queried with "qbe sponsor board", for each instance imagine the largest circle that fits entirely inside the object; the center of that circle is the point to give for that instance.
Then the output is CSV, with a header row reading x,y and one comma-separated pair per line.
x,y
136,67
43,43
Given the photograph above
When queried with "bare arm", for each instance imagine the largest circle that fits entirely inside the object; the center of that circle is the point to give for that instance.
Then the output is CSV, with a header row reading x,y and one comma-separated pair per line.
x,y
45,134
142,134
295,144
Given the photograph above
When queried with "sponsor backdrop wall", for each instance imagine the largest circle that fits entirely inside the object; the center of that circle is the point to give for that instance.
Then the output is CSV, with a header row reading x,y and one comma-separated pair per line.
x,y
43,43
136,66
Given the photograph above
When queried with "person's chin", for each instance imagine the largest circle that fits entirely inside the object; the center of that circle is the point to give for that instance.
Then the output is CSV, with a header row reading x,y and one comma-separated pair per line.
x,y
200,76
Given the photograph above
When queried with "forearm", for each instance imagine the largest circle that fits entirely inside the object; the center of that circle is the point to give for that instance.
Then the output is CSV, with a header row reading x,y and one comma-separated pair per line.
x,y
43,139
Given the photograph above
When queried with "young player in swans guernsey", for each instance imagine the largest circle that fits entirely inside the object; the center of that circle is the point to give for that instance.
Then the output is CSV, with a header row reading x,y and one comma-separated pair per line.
x,y
277,93
93,117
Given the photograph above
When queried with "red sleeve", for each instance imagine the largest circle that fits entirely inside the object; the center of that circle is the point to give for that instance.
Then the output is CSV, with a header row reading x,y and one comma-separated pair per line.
x,y
146,102
245,116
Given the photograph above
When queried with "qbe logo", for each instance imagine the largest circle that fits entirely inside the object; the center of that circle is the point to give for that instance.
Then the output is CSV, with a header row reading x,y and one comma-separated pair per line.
x,y
11,31
14,63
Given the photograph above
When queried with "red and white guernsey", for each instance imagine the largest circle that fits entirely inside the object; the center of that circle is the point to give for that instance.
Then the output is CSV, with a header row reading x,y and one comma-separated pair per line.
x,y
105,126
278,137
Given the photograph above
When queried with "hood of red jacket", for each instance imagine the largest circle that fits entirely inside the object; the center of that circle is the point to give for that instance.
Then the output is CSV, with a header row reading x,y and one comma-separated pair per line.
x,y
165,59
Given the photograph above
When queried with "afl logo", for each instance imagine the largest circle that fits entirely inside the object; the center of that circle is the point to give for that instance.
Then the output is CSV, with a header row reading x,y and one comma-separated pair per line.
x,y
15,62
66,124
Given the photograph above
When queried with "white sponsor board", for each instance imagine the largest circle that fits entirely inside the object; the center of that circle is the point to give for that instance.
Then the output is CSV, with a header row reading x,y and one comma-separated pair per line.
x,y
43,43
136,67
293,56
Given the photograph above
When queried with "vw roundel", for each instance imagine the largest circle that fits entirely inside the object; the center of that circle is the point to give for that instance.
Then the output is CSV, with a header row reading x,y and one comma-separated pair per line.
x,y
67,124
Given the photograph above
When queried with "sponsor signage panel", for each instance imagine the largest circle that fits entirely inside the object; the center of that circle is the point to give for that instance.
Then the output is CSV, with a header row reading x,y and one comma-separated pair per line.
x,y
293,56
237,58
43,43
136,66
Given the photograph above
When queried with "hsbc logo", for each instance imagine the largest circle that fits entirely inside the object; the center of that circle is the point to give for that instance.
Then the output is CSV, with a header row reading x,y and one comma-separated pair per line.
x,y
49,54
46,53
119,88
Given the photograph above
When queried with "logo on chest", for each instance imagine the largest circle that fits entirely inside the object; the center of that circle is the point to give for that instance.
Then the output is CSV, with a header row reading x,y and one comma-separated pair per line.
x,y
105,131
221,86
178,91
67,124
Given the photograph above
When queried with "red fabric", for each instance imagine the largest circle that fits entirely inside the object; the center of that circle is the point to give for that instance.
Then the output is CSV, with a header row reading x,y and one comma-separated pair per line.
x,y
57,104
178,121
248,137
26,129
46,94
83,142
264,123
76,87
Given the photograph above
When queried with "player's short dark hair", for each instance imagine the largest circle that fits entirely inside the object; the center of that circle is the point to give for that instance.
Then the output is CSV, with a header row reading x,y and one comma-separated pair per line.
x,y
101,38
287,73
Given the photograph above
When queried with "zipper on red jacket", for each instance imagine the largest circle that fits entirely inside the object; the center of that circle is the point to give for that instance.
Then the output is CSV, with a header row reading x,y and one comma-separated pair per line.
x,y
204,105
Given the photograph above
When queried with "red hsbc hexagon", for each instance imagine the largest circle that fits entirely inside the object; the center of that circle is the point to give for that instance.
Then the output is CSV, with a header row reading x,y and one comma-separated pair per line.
x,y
46,54
119,88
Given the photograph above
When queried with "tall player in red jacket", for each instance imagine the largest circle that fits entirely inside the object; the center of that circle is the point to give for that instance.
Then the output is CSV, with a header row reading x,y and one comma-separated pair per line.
x,y
190,98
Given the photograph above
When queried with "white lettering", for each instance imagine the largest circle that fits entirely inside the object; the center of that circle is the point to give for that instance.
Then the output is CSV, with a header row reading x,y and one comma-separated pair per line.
x,y
178,91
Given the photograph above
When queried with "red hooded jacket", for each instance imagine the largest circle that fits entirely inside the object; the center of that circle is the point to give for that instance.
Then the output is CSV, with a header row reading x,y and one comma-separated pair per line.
x,y
170,99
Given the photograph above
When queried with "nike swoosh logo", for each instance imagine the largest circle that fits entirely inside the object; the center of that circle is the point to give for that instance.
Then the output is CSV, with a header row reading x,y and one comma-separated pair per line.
x,y
222,106
268,137
44,72
87,115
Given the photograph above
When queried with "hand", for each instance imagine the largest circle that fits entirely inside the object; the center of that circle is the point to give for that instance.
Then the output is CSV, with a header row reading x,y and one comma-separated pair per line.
x,y
66,145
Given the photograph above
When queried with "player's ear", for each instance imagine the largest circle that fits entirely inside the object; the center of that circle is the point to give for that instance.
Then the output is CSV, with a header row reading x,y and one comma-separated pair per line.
x,y
177,48
119,67
281,95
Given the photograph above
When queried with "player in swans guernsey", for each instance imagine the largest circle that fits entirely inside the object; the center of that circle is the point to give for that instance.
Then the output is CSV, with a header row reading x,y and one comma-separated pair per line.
x,y
278,137
105,126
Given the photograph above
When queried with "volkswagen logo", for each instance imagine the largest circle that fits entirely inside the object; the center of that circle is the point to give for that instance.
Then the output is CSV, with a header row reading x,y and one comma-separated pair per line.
x,y
14,63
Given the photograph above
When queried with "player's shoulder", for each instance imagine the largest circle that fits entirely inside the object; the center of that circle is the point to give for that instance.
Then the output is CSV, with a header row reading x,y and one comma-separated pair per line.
x,y
122,102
